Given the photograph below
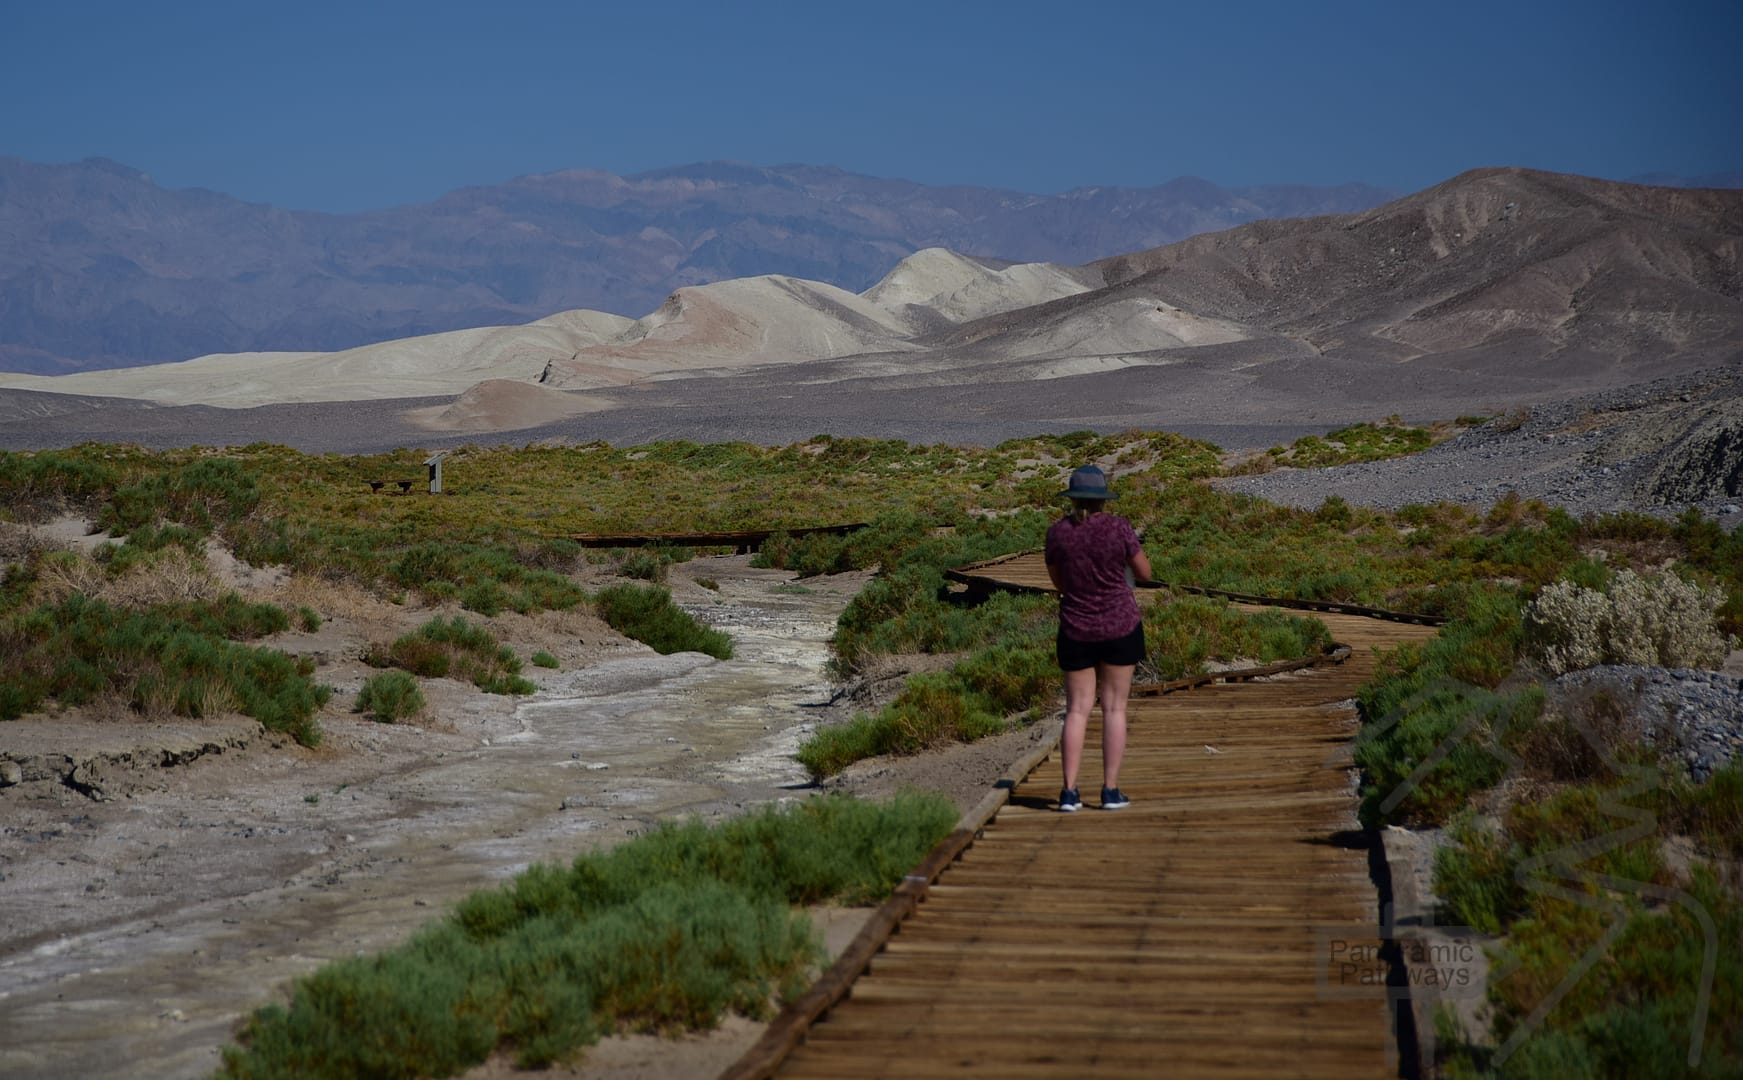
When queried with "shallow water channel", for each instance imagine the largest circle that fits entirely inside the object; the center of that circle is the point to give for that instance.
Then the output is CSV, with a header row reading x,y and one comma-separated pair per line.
x,y
262,876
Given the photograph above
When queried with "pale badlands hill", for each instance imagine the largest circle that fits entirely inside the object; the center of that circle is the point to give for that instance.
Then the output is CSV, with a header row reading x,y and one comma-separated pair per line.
x,y
1495,289
102,268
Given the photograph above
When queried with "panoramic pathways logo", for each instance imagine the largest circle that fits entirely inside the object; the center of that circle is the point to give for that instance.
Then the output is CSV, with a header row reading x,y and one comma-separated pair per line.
x,y
1356,961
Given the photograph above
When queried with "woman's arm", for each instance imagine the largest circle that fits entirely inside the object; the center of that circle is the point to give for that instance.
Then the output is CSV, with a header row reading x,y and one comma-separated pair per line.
x,y
1140,564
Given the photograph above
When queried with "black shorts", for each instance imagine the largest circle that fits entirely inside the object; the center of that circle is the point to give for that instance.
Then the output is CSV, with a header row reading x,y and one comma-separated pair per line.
x,y
1076,655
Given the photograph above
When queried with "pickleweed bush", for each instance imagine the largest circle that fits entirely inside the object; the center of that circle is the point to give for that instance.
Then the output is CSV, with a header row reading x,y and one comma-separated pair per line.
x,y
457,648
647,614
390,697
1654,619
1474,877
174,659
486,577
1181,635
36,484
203,494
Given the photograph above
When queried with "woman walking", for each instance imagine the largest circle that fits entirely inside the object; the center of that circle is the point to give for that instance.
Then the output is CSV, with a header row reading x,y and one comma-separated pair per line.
x,y
1092,557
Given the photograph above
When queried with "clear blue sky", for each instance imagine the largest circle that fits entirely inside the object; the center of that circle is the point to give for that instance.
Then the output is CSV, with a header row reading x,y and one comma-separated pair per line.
x,y
349,106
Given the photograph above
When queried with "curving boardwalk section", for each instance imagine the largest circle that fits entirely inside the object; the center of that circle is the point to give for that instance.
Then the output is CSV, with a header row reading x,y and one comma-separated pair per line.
x,y
1223,925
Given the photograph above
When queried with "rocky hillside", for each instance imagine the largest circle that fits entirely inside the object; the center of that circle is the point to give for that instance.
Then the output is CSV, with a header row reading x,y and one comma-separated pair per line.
x,y
102,268
1490,270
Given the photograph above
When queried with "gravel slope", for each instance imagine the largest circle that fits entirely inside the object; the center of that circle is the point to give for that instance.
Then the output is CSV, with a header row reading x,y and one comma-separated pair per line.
x,y
1657,448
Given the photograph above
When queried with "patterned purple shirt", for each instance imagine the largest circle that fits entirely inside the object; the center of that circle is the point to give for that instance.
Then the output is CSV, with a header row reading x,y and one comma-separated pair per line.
x,y
1090,557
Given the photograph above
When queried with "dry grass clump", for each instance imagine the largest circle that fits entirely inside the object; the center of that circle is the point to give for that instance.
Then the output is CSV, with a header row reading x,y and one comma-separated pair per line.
x,y
169,575
18,543
555,632
335,599
1579,738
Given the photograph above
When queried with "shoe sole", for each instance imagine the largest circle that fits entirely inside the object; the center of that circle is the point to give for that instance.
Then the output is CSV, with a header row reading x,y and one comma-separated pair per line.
x,y
1115,806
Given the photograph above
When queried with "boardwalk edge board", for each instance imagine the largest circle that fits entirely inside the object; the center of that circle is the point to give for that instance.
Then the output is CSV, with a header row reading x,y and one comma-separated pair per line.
x,y
789,1029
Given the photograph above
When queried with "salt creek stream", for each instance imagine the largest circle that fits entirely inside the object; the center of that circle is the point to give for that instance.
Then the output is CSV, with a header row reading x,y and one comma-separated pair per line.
x,y
265,877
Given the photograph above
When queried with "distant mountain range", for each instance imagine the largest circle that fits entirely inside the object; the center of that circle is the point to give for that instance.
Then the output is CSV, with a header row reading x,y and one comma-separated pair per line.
x,y
1498,286
102,268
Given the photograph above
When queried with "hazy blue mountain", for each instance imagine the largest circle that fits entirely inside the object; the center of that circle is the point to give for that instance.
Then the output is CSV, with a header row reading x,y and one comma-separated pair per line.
x,y
103,268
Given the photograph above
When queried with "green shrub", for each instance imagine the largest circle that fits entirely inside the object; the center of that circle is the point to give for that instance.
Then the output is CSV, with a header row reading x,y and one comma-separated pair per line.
x,y
454,646
667,932
647,614
390,697
486,577
1474,877
173,659
1181,635
203,494
40,482
644,564
545,660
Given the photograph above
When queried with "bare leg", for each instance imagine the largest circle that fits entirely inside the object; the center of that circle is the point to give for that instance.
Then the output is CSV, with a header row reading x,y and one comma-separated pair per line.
x,y
1116,687
1079,698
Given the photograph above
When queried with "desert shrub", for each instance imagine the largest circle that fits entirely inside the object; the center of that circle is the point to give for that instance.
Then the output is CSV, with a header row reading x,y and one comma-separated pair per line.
x,y
174,659
986,693
1633,1013
1442,696
669,931
202,494
34,484
1358,442
456,647
390,697
643,564
1710,549
1710,812
1657,619
1474,877
544,659
887,537
647,614
1183,634
908,607
485,577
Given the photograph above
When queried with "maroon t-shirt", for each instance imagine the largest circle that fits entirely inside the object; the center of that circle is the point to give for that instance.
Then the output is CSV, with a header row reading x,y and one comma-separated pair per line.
x,y
1090,557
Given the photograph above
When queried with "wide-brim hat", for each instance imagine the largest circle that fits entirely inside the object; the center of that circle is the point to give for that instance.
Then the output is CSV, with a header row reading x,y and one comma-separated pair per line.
x,y
1088,483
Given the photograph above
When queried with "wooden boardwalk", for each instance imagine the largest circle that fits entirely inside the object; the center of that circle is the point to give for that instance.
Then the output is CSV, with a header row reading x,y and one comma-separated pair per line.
x,y
1207,930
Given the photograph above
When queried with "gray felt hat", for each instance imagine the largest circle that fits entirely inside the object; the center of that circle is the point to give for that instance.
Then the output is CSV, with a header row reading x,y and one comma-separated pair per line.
x,y
1088,483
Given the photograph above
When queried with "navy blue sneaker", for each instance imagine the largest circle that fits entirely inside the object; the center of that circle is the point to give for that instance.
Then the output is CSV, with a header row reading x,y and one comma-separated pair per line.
x,y
1069,801
1112,798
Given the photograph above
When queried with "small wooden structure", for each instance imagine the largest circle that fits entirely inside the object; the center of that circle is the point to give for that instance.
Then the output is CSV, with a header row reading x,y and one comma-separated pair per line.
x,y
434,464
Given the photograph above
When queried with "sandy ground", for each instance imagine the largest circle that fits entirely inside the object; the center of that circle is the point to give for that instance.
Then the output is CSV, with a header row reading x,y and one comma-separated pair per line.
x,y
160,881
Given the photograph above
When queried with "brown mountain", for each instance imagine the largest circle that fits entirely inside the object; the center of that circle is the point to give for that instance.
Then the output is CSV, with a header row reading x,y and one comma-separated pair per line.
x,y
1490,271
